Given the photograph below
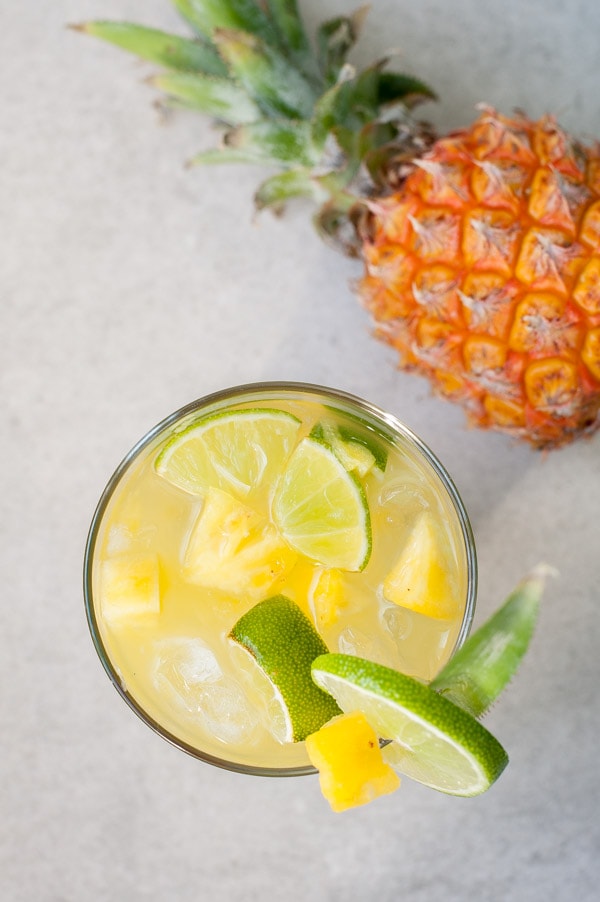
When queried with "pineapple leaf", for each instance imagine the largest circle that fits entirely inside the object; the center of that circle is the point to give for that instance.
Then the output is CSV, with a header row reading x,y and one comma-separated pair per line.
x,y
394,87
331,109
278,189
206,16
215,156
157,46
218,97
480,670
289,143
335,38
269,78
287,19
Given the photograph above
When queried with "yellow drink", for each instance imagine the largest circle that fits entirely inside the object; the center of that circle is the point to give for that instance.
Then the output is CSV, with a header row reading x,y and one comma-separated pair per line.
x,y
161,629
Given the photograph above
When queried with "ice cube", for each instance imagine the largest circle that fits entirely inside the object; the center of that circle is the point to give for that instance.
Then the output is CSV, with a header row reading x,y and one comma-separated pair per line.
x,y
401,499
352,641
189,672
397,621
185,664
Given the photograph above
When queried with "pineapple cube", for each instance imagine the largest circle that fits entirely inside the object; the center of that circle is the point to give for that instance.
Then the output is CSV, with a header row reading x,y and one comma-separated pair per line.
x,y
421,580
234,549
327,597
351,768
129,586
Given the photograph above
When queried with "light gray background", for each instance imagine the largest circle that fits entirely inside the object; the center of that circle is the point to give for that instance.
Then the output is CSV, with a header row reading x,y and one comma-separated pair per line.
x,y
129,286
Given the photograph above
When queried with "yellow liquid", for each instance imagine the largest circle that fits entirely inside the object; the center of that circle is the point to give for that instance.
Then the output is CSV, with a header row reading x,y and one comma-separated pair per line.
x,y
178,665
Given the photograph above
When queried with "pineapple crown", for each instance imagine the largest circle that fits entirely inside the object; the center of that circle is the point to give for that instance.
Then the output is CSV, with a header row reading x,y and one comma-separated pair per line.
x,y
332,134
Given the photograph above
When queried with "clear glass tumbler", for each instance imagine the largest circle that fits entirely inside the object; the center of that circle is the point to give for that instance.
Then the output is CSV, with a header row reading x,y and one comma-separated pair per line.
x,y
161,663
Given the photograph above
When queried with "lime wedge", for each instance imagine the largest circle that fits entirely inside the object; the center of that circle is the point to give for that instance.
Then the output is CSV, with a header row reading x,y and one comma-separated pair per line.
x,y
434,741
321,509
236,451
354,455
356,429
283,643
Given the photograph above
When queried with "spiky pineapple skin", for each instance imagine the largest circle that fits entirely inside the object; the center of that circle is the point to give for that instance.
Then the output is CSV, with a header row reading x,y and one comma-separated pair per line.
x,y
483,272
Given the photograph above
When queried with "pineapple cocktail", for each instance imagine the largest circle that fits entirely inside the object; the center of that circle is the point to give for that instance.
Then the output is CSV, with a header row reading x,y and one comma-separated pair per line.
x,y
251,532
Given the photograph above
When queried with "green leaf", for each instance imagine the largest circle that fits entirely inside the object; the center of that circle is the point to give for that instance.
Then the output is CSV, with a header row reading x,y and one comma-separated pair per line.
x,y
206,16
286,15
266,74
331,109
335,39
216,156
285,142
218,97
168,50
284,186
394,87
480,670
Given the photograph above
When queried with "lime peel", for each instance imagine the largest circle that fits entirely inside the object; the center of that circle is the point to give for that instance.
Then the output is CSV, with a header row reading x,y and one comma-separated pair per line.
x,y
284,643
321,509
234,450
438,743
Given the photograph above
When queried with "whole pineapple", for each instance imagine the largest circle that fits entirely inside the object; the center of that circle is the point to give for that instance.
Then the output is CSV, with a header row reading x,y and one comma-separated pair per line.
x,y
481,249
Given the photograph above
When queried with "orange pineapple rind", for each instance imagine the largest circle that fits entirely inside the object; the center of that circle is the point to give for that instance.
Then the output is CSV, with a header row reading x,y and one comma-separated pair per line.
x,y
496,295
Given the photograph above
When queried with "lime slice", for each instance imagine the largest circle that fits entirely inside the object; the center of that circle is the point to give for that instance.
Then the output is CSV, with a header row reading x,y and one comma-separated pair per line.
x,y
284,643
434,741
236,451
356,429
321,509
355,456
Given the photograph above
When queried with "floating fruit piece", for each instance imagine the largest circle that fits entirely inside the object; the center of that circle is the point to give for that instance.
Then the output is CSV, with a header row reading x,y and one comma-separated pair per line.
x,y
234,549
420,578
129,586
351,769
284,643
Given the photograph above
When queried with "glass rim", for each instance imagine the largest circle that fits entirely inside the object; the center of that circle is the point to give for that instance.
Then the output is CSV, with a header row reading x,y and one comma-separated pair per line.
x,y
238,391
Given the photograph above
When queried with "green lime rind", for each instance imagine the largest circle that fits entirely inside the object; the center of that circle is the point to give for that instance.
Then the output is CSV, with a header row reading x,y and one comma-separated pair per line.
x,y
363,433
233,450
284,643
486,663
321,509
355,456
434,741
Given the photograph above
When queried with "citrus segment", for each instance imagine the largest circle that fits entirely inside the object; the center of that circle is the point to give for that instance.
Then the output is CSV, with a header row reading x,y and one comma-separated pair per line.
x,y
321,509
434,741
233,548
354,455
420,578
351,768
355,428
236,451
129,586
284,643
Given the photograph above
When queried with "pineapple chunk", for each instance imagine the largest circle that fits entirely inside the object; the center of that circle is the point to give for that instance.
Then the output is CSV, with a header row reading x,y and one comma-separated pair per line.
x,y
129,586
233,548
351,768
327,598
420,580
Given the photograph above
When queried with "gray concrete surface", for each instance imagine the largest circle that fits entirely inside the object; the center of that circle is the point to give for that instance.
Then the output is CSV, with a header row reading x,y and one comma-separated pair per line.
x,y
130,286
